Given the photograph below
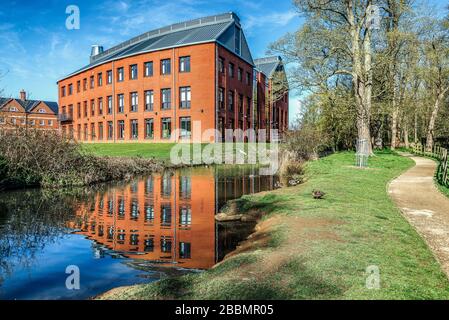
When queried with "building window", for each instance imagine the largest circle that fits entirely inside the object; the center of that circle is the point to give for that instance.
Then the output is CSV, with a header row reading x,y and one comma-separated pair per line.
x,y
84,84
92,82
120,103
166,244
92,131
165,216
184,97
184,250
238,42
41,122
50,123
100,131
149,213
166,128
92,107
185,125
78,107
85,132
78,86
63,91
70,89
231,100
134,129
185,187
109,104
134,101
110,130
100,79
221,98
241,104
166,98
248,78
149,100
149,128
165,66
121,129
2,120
109,77
40,111
184,64
221,64
120,74
100,106
231,70
133,71
149,69
240,74
85,109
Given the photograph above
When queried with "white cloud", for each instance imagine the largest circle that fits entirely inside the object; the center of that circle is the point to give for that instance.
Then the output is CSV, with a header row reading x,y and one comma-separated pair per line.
x,y
279,19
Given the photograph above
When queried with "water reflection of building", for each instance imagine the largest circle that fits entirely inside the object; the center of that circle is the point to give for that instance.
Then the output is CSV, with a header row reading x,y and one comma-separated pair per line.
x,y
168,218
152,219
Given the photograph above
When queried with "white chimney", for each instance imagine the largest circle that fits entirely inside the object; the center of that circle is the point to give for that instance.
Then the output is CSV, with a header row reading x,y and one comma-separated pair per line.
x,y
23,95
96,50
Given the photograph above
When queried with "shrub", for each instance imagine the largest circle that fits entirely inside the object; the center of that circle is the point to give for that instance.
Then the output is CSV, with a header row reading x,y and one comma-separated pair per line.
x,y
45,158
291,169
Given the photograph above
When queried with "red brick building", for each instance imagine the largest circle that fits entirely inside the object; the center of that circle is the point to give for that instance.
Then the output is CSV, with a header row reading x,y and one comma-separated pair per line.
x,y
24,113
161,82
272,100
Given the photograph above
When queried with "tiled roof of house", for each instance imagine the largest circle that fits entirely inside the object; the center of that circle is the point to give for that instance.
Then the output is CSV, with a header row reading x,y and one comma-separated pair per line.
x,y
28,105
3,101
219,28
268,65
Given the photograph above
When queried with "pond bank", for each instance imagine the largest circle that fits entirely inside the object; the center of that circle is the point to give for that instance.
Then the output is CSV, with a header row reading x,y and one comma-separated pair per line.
x,y
305,248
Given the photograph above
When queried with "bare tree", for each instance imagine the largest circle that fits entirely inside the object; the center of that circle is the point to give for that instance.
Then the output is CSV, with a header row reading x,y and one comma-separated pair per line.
x,y
341,36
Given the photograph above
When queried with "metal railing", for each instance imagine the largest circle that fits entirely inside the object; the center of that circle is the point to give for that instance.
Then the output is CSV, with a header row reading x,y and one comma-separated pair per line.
x,y
438,153
65,117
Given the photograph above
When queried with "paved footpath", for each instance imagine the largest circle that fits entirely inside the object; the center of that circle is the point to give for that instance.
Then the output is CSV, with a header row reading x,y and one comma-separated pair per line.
x,y
424,206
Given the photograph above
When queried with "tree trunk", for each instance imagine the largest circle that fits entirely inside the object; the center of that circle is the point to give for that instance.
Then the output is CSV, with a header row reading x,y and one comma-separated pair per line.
x,y
394,125
433,118
416,127
406,133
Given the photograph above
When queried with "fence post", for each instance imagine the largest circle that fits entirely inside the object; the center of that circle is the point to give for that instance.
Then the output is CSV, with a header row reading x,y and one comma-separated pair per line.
x,y
445,167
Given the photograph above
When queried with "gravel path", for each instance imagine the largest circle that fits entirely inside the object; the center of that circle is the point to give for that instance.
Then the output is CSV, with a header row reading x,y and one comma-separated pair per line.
x,y
424,206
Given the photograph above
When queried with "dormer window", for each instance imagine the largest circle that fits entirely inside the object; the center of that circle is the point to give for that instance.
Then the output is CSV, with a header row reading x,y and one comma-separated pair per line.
x,y
238,40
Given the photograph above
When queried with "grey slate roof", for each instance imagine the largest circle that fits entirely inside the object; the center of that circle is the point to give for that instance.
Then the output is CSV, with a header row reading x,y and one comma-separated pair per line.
x,y
268,65
28,105
3,101
219,28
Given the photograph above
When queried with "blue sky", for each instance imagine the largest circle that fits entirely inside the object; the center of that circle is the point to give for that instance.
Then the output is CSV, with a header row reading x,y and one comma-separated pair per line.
x,y
36,48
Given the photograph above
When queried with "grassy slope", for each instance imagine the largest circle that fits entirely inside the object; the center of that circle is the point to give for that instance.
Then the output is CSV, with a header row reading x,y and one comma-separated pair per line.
x,y
157,150
443,189
318,249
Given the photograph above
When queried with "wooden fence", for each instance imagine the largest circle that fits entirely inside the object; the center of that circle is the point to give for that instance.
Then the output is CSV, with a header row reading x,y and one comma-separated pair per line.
x,y
440,154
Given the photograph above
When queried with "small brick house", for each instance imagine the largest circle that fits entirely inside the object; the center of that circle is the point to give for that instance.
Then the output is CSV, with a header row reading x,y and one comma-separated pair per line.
x,y
24,113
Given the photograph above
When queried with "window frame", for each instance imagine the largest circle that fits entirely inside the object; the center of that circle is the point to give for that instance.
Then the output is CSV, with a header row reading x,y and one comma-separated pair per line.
x,y
184,64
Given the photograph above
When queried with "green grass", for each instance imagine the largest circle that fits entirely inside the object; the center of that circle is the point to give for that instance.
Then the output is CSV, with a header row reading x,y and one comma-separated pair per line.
x,y
320,249
444,190
146,150
159,151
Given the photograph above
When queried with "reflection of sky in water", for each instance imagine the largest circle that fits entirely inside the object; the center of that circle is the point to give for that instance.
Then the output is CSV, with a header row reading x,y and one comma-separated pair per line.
x,y
36,246
45,278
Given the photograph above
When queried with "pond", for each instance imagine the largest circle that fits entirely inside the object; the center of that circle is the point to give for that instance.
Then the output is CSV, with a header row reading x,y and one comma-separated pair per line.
x,y
158,226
